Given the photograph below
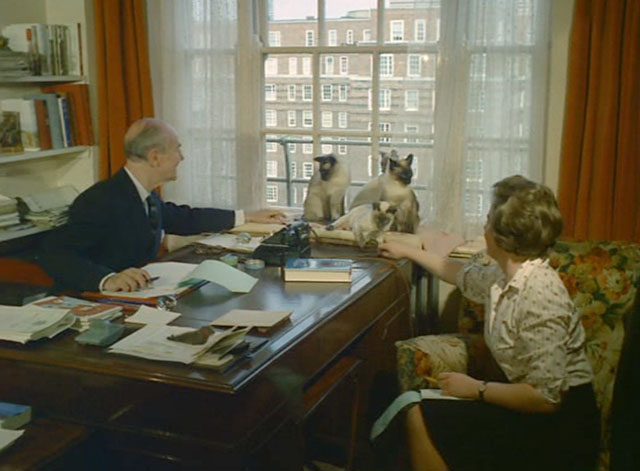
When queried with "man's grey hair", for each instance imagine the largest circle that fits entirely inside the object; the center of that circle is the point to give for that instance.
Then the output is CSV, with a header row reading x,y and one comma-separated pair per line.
x,y
145,135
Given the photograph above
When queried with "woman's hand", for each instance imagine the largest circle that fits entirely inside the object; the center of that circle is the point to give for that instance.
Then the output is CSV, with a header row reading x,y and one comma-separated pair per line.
x,y
393,250
459,385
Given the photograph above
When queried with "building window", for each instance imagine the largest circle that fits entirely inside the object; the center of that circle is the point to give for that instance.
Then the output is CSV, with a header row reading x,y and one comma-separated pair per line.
x,y
327,92
270,92
293,170
272,147
328,65
291,93
307,93
342,150
411,129
326,148
385,99
343,92
309,38
333,37
293,65
386,65
274,38
366,35
414,65
271,66
420,31
292,147
327,119
342,119
272,193
397,30
369,166
411,100
272,168
430,99
270,118
344,65
291,118
349,36
307,169
386,128
307,148
307,118
306,66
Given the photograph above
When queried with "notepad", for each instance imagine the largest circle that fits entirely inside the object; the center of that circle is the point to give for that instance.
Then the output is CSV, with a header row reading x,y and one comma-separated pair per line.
x,y
253,318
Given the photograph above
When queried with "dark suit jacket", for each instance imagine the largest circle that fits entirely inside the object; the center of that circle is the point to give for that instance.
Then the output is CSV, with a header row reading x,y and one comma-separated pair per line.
x,y
109,230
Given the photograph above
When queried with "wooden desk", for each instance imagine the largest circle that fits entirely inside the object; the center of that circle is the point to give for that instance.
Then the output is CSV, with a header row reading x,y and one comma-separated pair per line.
x,y
150,413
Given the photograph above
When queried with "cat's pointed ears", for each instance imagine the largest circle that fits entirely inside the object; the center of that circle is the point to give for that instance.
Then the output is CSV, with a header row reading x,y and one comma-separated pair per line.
x,y
330,158
409,158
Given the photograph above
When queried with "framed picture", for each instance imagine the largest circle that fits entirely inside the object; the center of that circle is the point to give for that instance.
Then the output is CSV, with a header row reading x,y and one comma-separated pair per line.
x,y
10,140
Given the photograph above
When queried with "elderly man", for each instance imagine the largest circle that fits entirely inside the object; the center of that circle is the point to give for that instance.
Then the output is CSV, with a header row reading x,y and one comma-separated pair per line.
x,y
116,225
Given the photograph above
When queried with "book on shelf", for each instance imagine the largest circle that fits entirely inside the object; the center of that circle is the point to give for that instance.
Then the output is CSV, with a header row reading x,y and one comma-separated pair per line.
x,y
53,117
26,323
10,136
14,416
318,269
84,310
76,100
42,117
28,121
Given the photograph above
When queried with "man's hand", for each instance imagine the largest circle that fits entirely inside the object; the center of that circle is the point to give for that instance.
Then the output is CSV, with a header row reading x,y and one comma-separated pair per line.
x,y
266,216
131,279
459,385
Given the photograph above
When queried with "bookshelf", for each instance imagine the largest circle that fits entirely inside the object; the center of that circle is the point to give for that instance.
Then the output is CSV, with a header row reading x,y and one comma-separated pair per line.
x,y
28,172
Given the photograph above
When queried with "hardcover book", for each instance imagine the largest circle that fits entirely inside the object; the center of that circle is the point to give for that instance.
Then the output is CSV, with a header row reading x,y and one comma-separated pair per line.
x,y
14,416
80,307
318,269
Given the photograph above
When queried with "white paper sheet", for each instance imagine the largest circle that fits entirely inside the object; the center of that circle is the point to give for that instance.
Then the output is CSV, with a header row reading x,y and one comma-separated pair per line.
x,y
150,315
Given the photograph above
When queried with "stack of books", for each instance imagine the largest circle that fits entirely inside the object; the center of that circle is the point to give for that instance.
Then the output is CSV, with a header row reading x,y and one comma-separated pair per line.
x,y
14,64
83,310
8,212
318,269
26,323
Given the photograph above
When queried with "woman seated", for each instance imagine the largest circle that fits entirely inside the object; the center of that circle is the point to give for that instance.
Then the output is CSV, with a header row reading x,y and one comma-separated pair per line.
x,y
543,414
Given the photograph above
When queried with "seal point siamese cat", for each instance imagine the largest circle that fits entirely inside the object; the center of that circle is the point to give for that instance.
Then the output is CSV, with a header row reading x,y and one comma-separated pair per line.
x,y
393,186
327,187
367,222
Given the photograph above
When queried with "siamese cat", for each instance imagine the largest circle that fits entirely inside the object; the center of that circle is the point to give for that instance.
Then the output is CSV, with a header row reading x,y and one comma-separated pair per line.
x,y
327,187
393,186
367,222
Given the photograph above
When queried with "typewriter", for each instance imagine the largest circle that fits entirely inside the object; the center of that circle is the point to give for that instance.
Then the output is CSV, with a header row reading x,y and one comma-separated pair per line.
x,y
289,242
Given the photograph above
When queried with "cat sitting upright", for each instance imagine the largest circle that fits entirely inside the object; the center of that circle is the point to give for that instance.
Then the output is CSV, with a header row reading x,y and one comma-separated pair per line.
x,y
367,222
327,187
393,186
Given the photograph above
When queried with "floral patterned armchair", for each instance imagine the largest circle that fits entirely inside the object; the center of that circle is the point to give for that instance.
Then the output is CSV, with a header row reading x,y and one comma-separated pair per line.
x,y
601,278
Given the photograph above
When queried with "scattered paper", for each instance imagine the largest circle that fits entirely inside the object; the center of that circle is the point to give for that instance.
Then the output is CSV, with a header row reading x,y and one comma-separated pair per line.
x,y
253,318
232,242
150,315
169,274
7,437
224,275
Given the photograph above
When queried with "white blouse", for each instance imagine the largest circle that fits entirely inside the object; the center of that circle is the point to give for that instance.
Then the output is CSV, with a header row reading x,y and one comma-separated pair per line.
x,y
531,325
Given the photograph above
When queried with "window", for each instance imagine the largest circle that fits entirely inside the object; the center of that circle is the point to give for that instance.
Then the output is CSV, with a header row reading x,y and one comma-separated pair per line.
x,y
272,193
349,36
342,119
307,169
327,119
272,147
293,65
307,148
291,93
326,148
307,118
420,28
430,100
274,38
270,92
342,150
343,92
397,30
291,147
327,92
386,65
309,38
384,127
344,65
366,35
411,100
272,168
328,65
291,118
411,129
270,118
307,93
333,37
293,169
306,66
414,65
271,66
385,99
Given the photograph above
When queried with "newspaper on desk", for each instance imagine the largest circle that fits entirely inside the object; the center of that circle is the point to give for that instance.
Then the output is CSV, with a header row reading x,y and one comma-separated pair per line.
x,y
24,323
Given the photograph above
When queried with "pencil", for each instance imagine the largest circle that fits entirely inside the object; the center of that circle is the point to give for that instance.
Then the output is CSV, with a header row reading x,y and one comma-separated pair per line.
x,y
431,379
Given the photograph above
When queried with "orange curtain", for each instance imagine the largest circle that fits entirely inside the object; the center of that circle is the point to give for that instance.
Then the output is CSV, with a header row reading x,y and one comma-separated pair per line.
x,y
124,83
599,190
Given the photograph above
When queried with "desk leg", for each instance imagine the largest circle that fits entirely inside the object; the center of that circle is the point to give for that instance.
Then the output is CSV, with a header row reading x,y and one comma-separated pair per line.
x,y
426,302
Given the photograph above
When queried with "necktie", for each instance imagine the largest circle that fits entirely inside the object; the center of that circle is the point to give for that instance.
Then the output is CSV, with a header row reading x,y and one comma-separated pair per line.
x,y
154,223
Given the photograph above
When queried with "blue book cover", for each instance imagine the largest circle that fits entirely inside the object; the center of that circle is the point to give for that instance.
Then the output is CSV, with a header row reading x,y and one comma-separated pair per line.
x,y
54,117
14,416
319,264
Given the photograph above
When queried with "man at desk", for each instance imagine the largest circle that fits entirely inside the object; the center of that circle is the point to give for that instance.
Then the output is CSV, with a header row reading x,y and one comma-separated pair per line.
x,y
117,225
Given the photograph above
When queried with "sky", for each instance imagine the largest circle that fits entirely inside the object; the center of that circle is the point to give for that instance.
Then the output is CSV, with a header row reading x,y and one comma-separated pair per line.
x,y
292,9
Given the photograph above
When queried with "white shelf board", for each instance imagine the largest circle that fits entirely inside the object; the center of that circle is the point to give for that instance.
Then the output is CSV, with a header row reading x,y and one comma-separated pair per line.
x,y
42,79
40,154
10,235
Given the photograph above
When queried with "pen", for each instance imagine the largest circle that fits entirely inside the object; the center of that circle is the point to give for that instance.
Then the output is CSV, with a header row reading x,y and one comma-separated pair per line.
x,y
152,279
431,379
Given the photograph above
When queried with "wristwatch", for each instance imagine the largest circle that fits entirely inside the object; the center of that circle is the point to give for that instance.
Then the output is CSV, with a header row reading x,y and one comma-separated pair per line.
x,y
481,390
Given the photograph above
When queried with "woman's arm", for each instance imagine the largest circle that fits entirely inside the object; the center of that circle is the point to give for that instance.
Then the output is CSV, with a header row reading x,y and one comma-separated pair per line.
x,y
442,267
520,396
